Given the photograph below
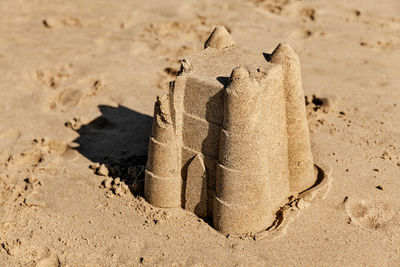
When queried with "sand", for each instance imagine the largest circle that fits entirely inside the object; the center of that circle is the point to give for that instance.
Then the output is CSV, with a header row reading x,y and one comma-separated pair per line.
x,y
78,83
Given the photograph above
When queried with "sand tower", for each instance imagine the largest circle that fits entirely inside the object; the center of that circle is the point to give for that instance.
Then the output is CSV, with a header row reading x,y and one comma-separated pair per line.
x,y
230,141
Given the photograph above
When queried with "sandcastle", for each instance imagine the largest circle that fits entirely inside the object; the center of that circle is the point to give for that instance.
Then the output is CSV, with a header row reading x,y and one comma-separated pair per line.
x,y
230,141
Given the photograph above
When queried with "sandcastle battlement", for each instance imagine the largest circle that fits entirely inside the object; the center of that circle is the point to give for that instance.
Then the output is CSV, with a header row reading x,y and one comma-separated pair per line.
x,y
230,141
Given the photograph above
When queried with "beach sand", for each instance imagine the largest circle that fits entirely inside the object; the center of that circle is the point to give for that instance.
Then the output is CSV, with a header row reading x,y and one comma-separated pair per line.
x,y
77,87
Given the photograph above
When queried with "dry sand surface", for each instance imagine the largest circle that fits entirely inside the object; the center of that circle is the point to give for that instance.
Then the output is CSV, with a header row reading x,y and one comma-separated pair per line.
x,y
77,87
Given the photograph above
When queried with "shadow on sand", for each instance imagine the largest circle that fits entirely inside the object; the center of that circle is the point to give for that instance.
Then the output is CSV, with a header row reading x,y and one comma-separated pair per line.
x,y
119,139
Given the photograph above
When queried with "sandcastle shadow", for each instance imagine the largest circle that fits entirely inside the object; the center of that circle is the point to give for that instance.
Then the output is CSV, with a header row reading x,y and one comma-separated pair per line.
x,y
119,139
210,148
223,80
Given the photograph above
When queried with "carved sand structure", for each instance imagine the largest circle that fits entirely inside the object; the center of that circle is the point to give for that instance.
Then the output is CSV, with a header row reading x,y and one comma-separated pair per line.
x,y
230,141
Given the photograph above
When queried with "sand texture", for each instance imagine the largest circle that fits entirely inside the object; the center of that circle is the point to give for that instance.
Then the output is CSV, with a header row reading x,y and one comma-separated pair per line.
x,y
77,88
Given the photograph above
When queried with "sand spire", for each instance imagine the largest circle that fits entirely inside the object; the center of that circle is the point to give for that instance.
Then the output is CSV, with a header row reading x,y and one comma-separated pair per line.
x,y
299,149
241,196
220,39
162,183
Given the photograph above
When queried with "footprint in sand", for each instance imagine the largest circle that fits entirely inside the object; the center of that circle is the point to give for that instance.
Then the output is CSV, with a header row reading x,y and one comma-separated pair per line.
x,y
277,7
369,214
8,138
52,78
163,37
29,157
50,261
71,97
54,22
67,98
69,89
42,152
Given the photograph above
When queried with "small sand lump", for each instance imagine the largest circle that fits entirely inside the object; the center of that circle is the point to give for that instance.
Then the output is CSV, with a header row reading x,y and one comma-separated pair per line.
x,y
230,141
100,169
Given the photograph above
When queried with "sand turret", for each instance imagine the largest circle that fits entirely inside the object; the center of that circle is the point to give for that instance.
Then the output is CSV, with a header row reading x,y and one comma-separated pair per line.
x,y
248,183
230,141
162,183
219,38
300,157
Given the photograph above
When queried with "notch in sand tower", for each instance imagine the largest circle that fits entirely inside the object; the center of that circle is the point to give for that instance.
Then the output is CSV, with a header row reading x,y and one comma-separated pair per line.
x,y
230,141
